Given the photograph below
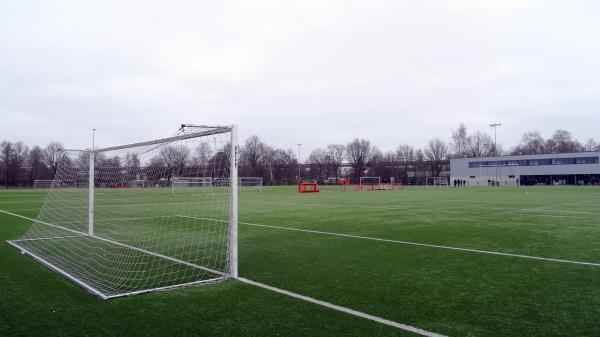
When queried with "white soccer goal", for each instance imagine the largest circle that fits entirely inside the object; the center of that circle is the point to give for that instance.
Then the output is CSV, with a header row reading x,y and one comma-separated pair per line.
x,y
139,183
195,185
115,240
440,181
42,184
370,183
250,185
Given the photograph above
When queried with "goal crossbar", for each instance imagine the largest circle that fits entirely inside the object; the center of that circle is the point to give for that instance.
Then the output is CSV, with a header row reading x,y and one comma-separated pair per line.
x,y
214,131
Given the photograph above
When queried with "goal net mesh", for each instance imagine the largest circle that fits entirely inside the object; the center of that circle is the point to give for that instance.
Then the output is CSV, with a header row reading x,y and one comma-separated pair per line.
x,y
128,237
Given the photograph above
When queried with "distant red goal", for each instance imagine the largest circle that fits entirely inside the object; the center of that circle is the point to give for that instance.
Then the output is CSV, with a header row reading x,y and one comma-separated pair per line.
x,y
308,187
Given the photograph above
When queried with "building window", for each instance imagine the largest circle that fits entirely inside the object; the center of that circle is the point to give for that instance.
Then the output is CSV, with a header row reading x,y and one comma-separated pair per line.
x,y
535,162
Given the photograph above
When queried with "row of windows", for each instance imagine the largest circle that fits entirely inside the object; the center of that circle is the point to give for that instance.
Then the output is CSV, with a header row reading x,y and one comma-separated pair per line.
x,y
534,162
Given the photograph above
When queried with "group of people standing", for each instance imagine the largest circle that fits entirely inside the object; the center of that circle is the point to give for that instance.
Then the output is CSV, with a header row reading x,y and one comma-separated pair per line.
x,y
458,182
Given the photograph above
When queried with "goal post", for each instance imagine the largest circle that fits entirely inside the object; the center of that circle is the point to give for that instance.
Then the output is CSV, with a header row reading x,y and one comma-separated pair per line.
x,y
115,240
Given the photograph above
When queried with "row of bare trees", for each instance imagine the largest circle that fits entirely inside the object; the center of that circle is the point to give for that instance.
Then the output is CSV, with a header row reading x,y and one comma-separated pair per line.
x,y
20,165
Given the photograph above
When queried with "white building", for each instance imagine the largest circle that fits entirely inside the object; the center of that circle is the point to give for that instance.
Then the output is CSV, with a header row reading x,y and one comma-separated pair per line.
x,y
581,168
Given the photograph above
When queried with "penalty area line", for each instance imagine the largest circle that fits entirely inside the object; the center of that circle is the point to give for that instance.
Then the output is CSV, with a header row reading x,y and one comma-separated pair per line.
x,y
346,310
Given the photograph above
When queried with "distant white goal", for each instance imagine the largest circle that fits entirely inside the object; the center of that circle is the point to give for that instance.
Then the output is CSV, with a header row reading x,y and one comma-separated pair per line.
x,y
372,183
139,183
42,184
114,239
440,181
195,185
250,185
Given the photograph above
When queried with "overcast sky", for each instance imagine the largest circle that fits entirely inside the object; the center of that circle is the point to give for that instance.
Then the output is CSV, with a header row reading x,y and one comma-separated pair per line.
x,y
311,72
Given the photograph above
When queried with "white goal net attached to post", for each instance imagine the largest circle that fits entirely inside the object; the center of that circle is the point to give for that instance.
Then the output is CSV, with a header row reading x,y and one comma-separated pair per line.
x,y
250,185
115,240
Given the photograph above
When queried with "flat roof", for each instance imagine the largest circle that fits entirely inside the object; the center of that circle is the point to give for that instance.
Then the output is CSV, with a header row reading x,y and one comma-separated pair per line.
x,y
545,155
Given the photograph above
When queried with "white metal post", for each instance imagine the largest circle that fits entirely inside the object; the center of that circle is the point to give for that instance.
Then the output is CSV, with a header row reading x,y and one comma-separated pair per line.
x,y
299,174
233,218
91,195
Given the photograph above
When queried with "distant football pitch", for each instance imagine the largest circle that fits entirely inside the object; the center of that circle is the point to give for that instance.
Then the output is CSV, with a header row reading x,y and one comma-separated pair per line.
x,y
453,261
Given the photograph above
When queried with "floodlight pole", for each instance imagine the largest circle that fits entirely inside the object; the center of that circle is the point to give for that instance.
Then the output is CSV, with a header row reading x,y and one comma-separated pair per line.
x,y
495,126
299,145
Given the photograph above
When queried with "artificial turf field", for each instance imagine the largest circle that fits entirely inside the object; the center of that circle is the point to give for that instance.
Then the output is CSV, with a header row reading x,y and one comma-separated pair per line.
x,y
447,291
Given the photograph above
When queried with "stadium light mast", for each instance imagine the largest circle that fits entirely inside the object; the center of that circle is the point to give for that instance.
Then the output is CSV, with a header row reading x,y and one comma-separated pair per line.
x,y
299,145
495,126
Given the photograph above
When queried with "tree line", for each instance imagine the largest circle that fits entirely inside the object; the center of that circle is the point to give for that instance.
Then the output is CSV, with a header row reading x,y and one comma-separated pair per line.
x,y
21,165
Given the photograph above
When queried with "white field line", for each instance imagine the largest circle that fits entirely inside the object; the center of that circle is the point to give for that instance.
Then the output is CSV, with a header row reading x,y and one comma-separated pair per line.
x,y
346,310
58,270
470,250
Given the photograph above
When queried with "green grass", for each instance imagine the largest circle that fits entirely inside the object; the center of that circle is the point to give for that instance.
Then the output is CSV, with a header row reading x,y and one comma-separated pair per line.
x,y
446,291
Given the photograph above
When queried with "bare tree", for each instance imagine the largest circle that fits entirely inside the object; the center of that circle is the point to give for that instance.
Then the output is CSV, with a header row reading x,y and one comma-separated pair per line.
x,y
460,142
202,154
531,143
480,144
37,168
405,155
437,153
562,142
171,159
19,162
590,145
335,155
6,156
360,154
318,158
52,155
252,157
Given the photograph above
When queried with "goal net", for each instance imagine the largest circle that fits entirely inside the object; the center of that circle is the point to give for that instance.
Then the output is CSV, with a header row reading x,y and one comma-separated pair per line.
x,y
115,240
250,185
